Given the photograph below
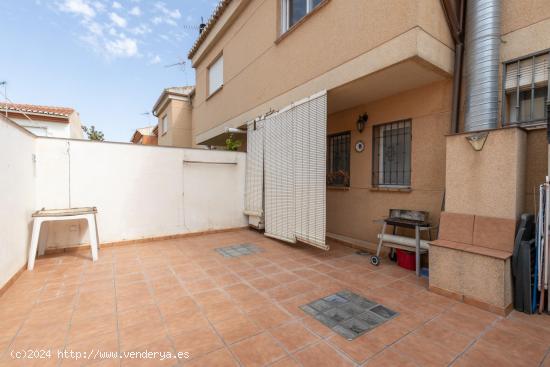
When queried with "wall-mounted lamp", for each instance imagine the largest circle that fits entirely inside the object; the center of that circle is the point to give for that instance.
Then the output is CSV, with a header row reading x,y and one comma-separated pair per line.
x,y
477,141
361,122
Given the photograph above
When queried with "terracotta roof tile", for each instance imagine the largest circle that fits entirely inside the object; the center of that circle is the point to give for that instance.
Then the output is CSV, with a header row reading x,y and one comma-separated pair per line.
x,y
216,15
44,110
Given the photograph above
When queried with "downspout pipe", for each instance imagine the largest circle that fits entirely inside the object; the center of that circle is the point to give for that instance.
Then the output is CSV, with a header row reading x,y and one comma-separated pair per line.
x,y
454,15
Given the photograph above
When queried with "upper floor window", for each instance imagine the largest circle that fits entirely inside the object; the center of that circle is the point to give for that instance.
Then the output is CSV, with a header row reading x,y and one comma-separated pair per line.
x,y
338,159
391,154
525,89
294,10
164,124
215,75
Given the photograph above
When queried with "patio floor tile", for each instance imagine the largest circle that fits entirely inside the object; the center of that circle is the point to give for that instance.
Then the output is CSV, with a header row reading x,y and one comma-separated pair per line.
x,y
181,295
258,350
321,355
237,328
294,336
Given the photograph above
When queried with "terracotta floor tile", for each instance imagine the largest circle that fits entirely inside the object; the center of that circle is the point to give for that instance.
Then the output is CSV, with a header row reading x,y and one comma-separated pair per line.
x,y
258,350
317,327
182,304
321,355
140,334
359,349
162,346
294,336
423,351
210,297
269,316
197,342
138,315
444,336
201,285
390,358
102,343
185,321
221,311
286,362
237,328
263,283
219,358
89,328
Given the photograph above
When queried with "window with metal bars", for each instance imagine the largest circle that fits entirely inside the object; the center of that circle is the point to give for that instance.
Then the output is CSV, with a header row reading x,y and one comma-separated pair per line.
x,y
391,156
525,89
338,157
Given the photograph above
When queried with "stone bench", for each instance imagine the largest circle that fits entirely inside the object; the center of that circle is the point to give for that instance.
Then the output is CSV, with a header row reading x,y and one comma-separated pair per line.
x,y
471,260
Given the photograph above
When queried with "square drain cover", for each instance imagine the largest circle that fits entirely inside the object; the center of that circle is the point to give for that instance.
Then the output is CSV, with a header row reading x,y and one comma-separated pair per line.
x,y
348,314
239,250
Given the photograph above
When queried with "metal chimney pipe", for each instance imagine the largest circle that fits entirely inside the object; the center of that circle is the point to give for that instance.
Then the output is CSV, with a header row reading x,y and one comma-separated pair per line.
x,y
482,58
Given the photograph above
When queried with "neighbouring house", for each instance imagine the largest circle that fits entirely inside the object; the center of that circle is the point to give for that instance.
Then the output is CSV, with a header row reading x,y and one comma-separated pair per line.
x,y
146,135
375,94
173,110
57,122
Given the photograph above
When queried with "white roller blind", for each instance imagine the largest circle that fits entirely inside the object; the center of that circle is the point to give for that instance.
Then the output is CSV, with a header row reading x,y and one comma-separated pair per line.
x,y
215,75
529,69
310,134
279,177
254,182
295,172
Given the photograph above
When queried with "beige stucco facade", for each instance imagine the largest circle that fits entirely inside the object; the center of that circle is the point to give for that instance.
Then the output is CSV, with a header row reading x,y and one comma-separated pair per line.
x,y
175,104
352,212
264,71
390,59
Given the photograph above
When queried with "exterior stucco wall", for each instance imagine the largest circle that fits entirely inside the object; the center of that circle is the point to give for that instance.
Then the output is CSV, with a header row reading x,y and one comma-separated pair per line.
x,y
490,182
258,69
536,167
179,124
17,202
53,129
351,212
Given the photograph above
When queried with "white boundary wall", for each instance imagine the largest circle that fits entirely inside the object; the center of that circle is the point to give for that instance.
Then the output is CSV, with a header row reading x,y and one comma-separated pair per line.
x,y
17,196
139,191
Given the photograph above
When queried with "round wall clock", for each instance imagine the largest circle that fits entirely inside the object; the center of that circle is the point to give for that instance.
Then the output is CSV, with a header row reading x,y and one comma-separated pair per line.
x,y
359,146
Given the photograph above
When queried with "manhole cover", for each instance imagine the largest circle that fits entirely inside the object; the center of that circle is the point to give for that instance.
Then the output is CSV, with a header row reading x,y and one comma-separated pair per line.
x,y
348,313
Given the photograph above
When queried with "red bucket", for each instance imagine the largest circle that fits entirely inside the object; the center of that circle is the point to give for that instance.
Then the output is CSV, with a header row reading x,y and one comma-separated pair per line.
x,y
406,259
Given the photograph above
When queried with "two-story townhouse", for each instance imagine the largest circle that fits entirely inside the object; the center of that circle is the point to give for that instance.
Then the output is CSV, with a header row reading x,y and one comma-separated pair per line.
x,y
173,110
426,105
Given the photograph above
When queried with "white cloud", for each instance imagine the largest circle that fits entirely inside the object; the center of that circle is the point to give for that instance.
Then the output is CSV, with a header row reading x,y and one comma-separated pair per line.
x,y
165,15
99,6
116,5
94,28
118,20
172,13
136,11
141,29
78,7
122,47
155,60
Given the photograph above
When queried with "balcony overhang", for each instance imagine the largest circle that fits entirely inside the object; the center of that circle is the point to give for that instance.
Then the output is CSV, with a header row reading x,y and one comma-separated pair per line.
x,y
410,60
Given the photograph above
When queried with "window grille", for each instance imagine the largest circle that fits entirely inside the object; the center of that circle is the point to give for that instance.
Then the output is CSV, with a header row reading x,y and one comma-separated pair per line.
x,y
392,154
338,162
525,89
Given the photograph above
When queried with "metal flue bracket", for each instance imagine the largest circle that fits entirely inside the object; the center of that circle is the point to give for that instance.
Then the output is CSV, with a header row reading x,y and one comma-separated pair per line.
x,y
477,141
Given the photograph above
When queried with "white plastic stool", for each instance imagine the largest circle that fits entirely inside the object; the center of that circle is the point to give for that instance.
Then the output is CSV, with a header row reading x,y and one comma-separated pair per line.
x,y
43,215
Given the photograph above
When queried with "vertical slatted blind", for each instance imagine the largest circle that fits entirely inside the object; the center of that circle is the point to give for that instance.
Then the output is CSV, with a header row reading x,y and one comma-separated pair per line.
x,y
254,182
310,146
294,158
279,177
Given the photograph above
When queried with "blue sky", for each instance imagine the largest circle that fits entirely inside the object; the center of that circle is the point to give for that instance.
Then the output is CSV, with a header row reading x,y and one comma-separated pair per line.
x,y
104,58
